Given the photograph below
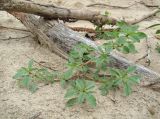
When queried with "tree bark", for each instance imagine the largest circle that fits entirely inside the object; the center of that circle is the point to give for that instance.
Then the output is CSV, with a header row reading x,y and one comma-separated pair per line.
x,y
61,39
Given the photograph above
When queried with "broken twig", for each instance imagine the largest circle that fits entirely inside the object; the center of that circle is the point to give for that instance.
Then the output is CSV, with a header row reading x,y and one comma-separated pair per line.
x,y
152,13
113,6
15,38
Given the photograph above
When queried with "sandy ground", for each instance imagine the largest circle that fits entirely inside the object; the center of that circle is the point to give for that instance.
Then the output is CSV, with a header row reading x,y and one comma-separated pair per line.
x,y
48,102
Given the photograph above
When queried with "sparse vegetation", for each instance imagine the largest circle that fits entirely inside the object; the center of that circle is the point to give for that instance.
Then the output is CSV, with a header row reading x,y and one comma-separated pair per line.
x,y
85,70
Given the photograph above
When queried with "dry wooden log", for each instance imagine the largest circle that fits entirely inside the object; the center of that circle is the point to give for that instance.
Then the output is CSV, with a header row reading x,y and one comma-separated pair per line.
x,y
61,39
54,12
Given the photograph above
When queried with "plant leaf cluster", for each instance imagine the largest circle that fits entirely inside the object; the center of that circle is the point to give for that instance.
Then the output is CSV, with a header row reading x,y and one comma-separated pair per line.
x,y
29,76
124,37
81,91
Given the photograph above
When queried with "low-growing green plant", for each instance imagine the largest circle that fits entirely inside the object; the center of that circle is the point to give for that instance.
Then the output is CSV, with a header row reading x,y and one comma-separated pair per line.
x,y
88,66
29,76
124,37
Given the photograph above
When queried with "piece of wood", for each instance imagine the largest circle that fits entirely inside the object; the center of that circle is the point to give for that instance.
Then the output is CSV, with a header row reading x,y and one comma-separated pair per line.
x,y
54,12
61,39
33,25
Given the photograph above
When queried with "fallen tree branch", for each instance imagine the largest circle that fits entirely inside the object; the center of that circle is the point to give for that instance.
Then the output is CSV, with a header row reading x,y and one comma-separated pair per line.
x,y
52,12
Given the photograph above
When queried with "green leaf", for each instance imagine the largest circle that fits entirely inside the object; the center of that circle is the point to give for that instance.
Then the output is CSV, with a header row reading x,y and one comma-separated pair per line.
x,y
63,83
84,69
125,49
80,84
158,32
104,89
90,85
81,98
117,82
71,93
136,37
110,35
121,23
127,29
68,74
109,85
132,48
26,81
127,89
91,100
135,79
107,46
20,73
114,72
71,102
131,69
141,35
121,40
74,54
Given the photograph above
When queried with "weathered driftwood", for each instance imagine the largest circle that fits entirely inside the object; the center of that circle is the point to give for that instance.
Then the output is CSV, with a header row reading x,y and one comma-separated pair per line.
x,y
61,39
